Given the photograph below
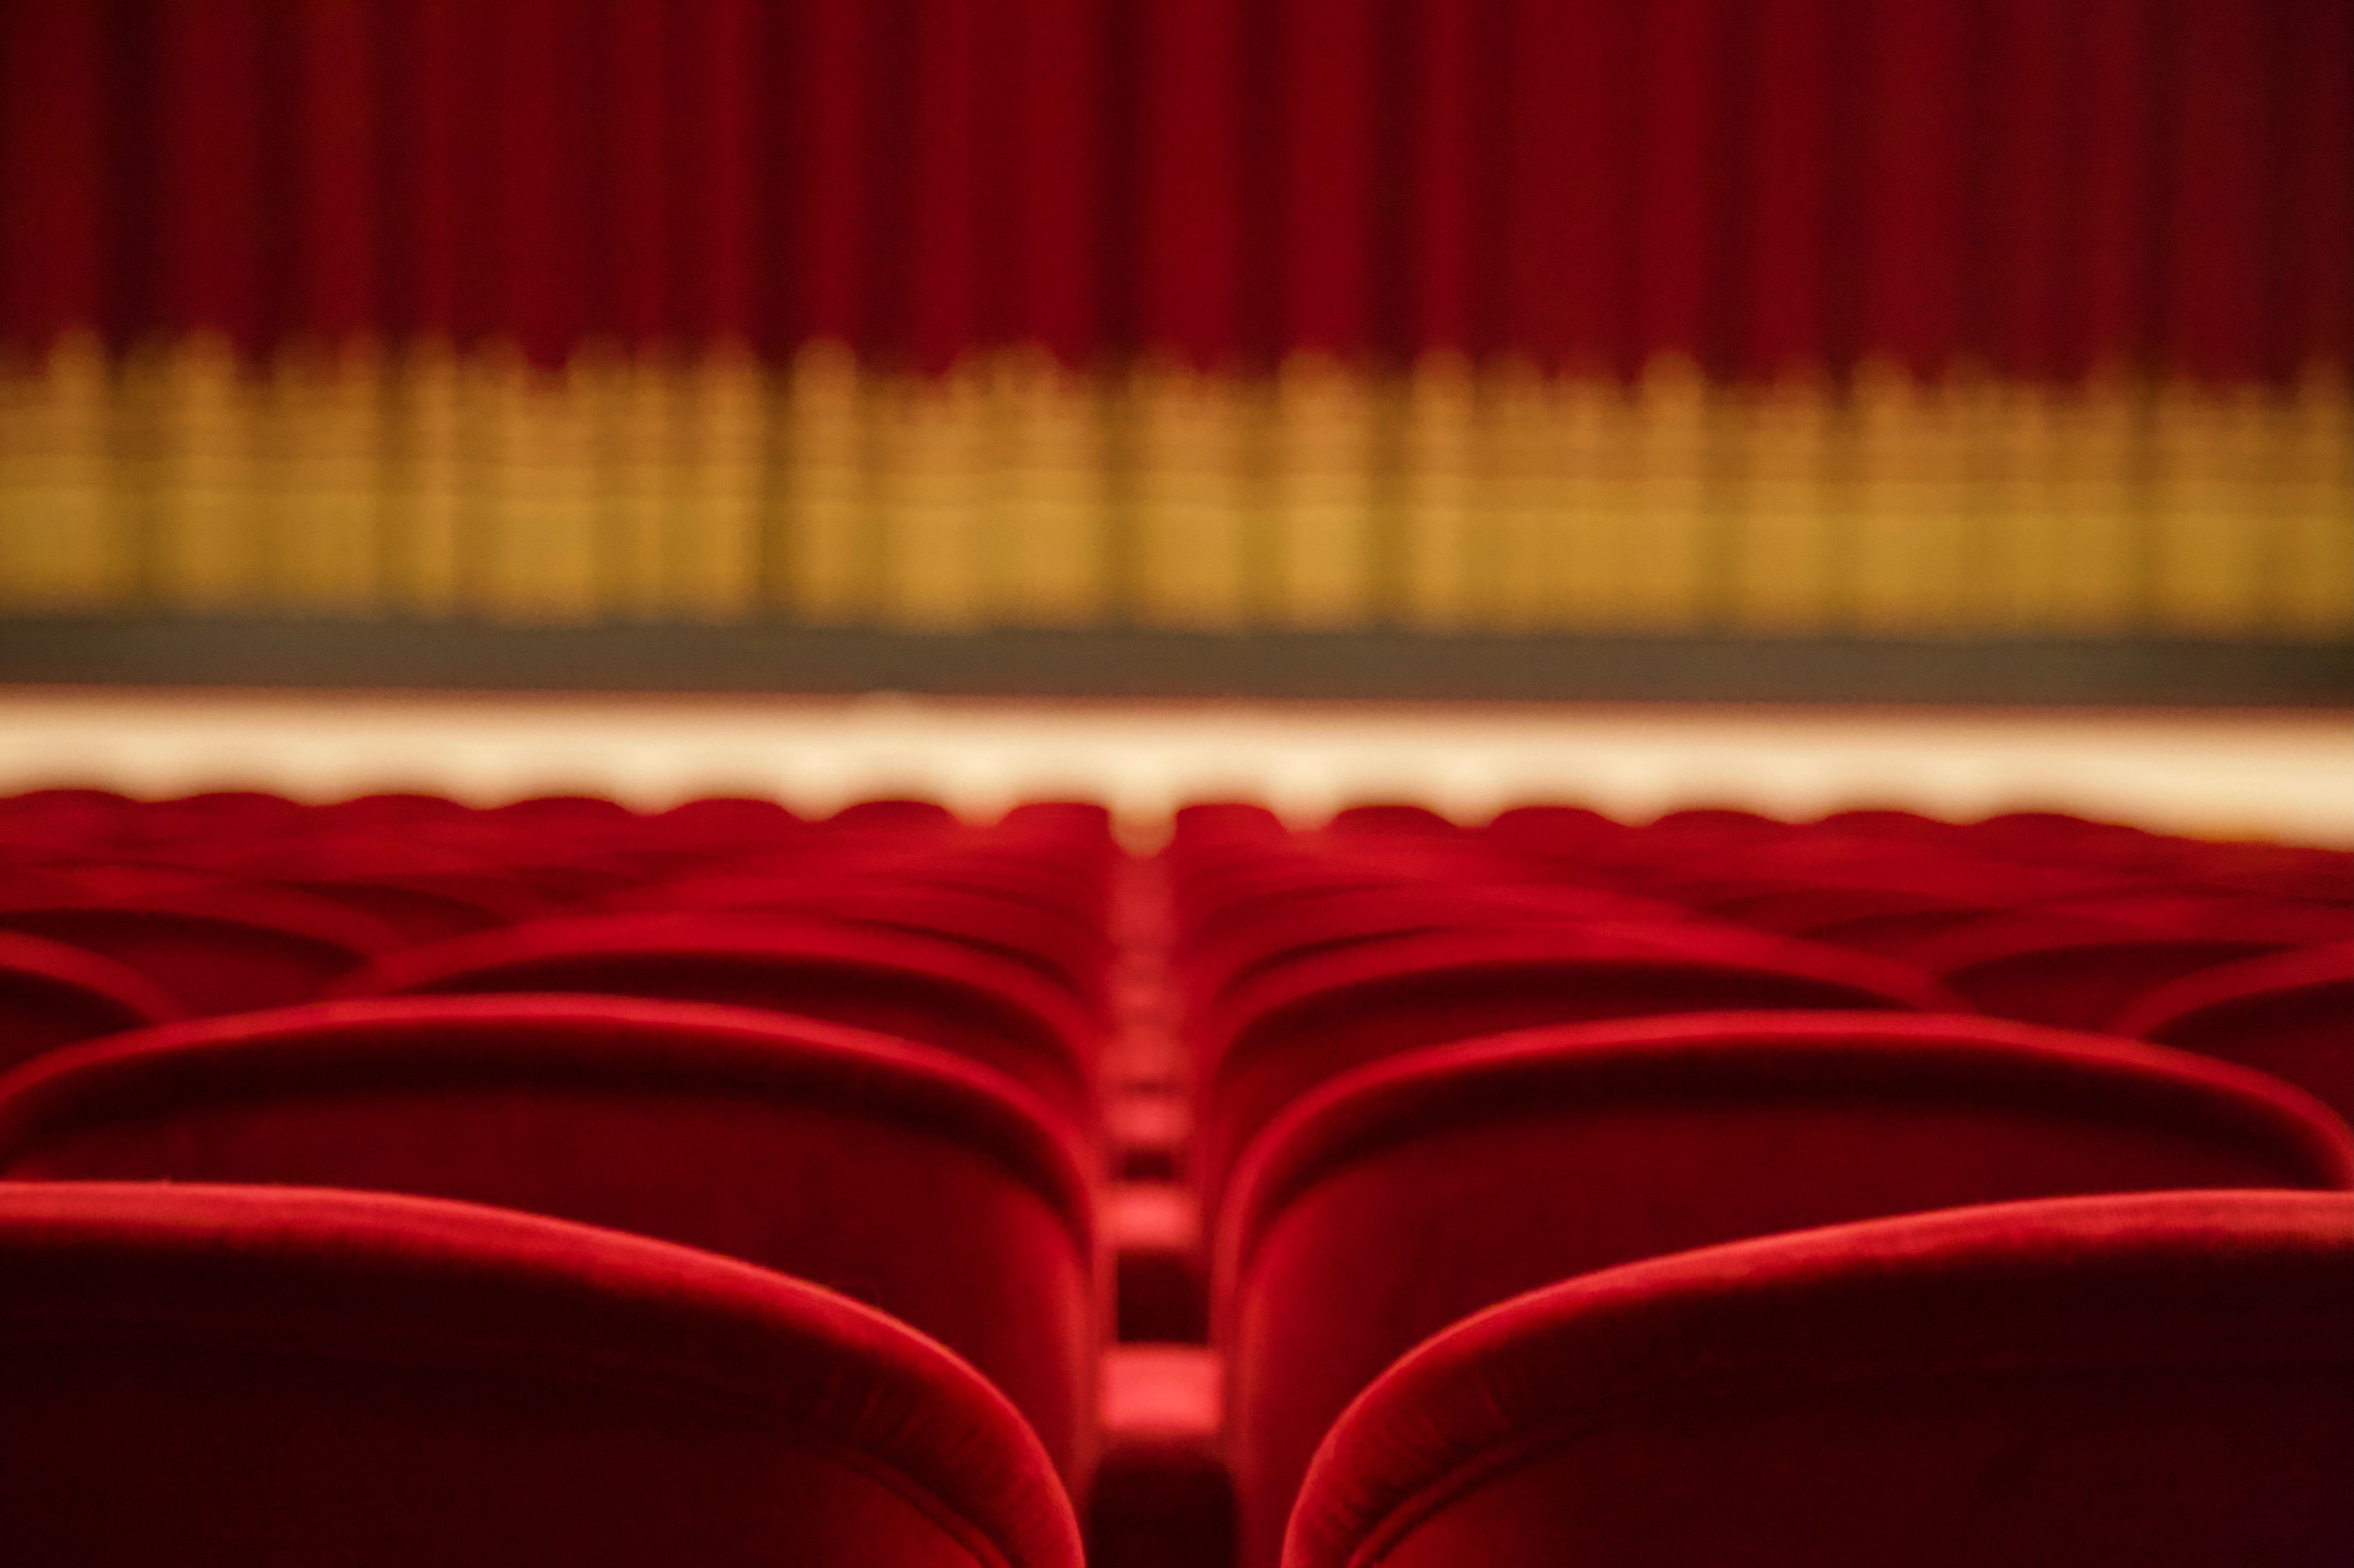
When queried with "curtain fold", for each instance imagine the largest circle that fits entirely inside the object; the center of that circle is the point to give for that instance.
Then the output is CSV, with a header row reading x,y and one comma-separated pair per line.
x,y
1808,316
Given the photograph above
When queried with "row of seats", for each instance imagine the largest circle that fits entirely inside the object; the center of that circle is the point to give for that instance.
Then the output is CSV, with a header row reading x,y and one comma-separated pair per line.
x,y
275,1376
1426,1070
284,1376
1394,923
1375,1115
116,914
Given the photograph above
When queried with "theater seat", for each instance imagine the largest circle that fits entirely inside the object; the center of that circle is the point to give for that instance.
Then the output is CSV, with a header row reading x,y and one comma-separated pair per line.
x,y
283,1378
221,949
1052,942
2289,1014
902,1177
1238,947
52,995
2164,1380
1405,1196
2074,971
895,815
926,990
1293,1028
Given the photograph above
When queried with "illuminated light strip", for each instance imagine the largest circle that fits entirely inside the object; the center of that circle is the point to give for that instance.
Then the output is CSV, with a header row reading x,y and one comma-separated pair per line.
x,y
2286,777
416,480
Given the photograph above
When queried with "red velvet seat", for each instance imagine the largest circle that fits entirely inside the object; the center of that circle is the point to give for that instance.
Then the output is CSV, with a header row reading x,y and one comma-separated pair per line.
x,y
973,861
115,876
251,810
422,908
1201,822
930,990
1214,891
1404,1196
52,995
1058,946
1069,817
1749,887
1823,909
1887,824
282,1378
543,846
2269,870
2295,873
900,1176
2073,972
2286,921
1300,1025
1235,949
388,809
1555,833
506,895
224,948
723,825
77,811
896,815
1889,902
563,817
1897,927
2163,1380
1391,818
2288,1014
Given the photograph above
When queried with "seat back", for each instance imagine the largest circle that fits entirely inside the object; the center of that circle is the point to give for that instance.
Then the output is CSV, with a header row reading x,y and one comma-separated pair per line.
x,y
1299,1026
2288,1014
2161,1379
898,1176
1064,949
2072,971
284,1377
933,991
1407,1196
52,995
1235,950
228,947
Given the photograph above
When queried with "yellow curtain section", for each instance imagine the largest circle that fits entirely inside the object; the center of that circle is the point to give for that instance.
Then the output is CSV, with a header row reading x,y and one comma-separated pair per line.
x,y
416,481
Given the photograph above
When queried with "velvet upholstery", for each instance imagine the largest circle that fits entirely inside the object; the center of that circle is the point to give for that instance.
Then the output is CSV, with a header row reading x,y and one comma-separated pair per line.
x,y
2279,923
418,913
723,825
485,894
283,1378
2164,1380
226,948
1235,949
1391,818
1054,942
901,1176
1253,886
978,860
426,897
1200,823
52,995
1409,1194
2289,1014
1857,910
1298,1026
2073,972
896,814
933,991
1897,932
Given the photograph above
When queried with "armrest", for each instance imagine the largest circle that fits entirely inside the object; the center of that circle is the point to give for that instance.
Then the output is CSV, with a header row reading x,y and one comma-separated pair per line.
x,y
1160,1276
1163,1496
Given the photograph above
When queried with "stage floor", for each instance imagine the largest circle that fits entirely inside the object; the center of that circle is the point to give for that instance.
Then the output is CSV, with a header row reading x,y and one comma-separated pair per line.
x,y
2286,774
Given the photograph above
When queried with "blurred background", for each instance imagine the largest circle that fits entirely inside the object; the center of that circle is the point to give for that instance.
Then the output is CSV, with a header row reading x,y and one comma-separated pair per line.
x,y
1808,352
